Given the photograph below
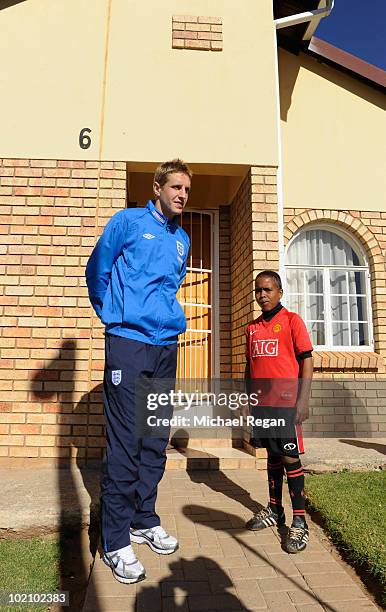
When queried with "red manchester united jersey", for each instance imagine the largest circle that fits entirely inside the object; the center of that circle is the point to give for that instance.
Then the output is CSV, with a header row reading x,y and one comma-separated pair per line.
x,y
272,348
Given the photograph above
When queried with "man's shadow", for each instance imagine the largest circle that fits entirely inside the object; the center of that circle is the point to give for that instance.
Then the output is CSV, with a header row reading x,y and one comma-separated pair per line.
x,y
195,512
221,483
79,454
190,578
214,478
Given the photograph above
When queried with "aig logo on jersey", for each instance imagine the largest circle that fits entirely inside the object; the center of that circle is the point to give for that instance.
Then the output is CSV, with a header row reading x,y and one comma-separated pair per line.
x,y
265,348
180,248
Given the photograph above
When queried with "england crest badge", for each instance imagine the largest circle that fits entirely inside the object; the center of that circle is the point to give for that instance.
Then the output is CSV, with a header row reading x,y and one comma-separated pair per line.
x,y
180,248
116,377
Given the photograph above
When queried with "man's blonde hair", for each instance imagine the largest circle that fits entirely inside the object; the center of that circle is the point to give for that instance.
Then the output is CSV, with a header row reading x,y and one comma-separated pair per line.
x,y
175,165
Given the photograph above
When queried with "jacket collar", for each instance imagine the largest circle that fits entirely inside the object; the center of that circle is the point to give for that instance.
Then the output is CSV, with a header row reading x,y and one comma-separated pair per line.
x,y
159,216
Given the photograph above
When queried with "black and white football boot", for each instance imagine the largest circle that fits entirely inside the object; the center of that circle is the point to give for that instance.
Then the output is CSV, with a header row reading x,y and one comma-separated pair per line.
x,y
298,535
266,517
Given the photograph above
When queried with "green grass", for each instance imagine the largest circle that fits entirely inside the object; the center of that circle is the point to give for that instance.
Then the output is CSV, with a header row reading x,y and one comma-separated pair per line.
x,y
353,508
29,565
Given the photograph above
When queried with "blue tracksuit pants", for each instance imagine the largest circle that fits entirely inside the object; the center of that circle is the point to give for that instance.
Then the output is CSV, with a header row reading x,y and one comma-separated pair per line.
x,y
133,465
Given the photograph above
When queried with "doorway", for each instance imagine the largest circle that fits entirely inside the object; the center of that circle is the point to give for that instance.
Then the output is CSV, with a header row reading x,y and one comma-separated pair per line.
x,y
197,350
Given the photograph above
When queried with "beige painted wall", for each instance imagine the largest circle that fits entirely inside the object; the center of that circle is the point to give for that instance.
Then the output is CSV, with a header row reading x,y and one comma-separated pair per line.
x,y
215,107
52,54
208,107
333,138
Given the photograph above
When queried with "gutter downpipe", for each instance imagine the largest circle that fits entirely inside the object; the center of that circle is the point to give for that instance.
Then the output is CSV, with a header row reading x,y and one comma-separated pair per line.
x,y
284,22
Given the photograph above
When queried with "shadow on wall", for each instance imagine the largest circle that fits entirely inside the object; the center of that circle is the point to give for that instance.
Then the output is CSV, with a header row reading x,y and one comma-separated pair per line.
x,y
290,66
344,408
75,426
4,4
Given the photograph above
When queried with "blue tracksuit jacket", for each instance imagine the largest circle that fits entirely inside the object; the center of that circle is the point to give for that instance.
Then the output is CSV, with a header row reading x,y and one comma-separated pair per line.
x,y
134,273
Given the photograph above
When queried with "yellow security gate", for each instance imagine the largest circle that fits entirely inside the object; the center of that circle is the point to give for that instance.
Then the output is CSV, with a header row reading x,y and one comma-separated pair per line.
x,y
196,297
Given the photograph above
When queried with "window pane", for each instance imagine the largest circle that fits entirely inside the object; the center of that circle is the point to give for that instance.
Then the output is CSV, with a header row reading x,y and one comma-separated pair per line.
x,y
358,311
359,334
317,253
338,281
357,282
315,307
317,335
295,281
321,248
314,279
339,310
340,334
296,304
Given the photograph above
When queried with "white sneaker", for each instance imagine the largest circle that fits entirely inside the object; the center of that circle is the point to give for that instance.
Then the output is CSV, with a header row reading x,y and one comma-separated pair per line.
x,y
157,538
125,565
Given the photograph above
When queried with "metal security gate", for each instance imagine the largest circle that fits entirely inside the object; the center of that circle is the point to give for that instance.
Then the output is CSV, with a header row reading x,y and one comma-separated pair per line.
x,y
195,355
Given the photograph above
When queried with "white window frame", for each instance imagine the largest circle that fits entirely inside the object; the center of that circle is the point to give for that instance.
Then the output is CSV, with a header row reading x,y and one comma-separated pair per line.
x,y
357,247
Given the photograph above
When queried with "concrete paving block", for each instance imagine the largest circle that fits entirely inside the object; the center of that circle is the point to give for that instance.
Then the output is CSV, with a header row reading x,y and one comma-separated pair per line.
x,y
360,605
268,585
340,593
278,601
319,568
328,580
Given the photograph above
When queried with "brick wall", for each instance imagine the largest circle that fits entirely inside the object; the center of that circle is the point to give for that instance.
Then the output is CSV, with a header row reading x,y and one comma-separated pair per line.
x,y
348,396
225,293
197,32
254,247
351,405
51,212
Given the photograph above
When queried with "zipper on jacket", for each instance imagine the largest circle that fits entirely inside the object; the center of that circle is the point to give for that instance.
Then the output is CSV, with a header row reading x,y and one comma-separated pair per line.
x,y
160,294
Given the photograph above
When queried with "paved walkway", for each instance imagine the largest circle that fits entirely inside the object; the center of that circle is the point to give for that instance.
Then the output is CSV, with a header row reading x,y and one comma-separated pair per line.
x,y
51,497
220,565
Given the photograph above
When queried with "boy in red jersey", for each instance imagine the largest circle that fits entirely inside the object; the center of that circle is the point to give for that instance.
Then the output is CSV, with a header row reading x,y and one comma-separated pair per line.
x,y
279,367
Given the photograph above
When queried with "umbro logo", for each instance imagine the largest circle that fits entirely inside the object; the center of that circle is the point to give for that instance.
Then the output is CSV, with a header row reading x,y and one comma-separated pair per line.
x,y
148,236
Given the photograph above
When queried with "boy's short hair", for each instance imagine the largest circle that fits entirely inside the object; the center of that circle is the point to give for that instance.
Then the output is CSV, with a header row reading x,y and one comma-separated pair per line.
x,y
271,274
168,167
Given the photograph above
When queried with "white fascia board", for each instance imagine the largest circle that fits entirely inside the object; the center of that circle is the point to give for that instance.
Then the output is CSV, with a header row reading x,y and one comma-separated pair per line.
x,y
316,15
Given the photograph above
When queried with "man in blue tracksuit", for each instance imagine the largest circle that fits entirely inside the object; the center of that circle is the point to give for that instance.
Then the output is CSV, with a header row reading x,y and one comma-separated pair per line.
x,y
133,275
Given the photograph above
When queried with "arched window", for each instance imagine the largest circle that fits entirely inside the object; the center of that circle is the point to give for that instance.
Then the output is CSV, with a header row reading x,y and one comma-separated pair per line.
x,y
327,283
